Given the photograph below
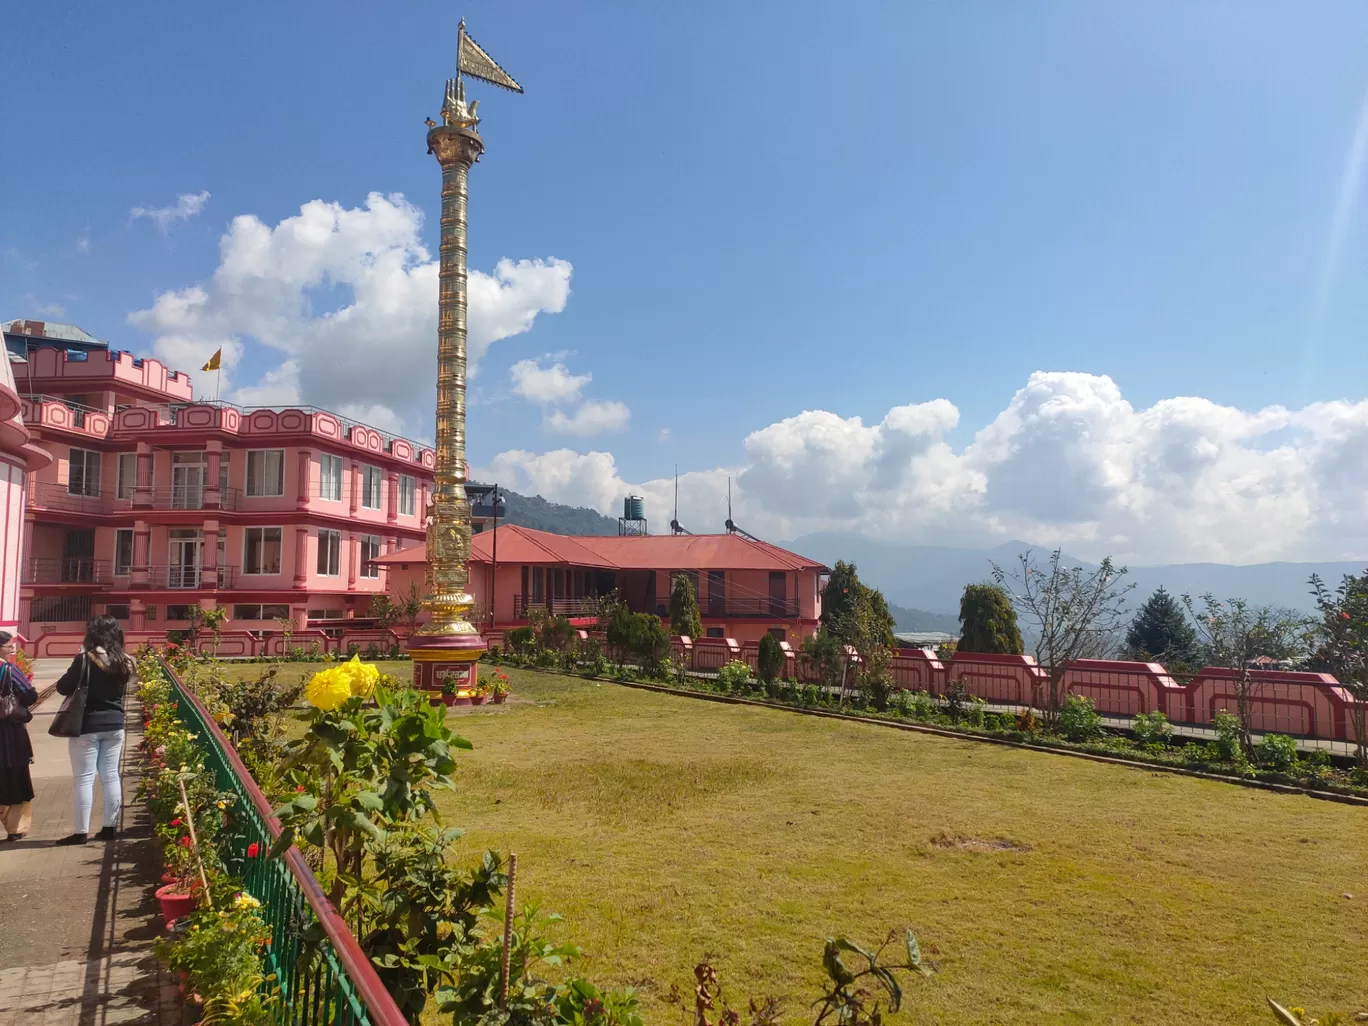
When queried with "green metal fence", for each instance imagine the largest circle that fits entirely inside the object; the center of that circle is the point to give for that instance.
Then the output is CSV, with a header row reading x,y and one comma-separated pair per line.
x,y
329,981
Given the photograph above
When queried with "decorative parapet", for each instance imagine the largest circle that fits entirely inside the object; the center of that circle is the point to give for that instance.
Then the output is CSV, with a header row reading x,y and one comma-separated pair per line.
x,y
115,367
303,424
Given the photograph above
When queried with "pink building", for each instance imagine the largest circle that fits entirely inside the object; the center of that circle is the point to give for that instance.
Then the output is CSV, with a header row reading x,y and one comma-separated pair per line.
x,y
144,502
745,588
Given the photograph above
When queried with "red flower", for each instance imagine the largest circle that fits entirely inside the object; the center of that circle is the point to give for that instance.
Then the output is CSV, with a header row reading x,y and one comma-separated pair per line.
x,y
299,787
176,821
1344,616
185,842
252,850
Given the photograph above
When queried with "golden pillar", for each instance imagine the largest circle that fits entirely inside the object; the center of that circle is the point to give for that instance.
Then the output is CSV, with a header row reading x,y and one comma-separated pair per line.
x,y
447,647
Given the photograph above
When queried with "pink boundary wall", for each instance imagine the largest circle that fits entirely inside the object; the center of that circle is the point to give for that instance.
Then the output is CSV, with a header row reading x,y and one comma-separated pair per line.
x,y
1312,705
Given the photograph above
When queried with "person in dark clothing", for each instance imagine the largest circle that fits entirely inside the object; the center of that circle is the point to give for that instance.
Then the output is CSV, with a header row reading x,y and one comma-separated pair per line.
x,y
106,670
16,752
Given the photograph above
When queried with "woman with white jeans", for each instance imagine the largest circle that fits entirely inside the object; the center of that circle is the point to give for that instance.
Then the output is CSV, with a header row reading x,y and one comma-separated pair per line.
x,y
105,671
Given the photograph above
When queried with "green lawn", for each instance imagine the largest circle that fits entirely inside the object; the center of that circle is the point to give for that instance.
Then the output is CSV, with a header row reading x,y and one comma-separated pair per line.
x,y
664,828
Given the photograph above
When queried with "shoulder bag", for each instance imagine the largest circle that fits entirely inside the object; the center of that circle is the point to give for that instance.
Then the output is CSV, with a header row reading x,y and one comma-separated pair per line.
x,y
12,710
71,716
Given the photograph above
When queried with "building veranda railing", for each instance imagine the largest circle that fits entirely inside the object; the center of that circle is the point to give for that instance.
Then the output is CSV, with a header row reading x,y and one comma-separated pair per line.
x,y
324,977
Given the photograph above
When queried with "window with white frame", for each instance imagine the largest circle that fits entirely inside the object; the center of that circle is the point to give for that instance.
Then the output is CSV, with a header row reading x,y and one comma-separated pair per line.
x,y
128,474
329,553
370,550
83,475
330,477
266,472
408,491
261,550
123,551
371,478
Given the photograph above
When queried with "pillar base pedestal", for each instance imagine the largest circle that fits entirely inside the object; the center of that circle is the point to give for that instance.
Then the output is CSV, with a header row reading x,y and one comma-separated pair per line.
x,y
445,657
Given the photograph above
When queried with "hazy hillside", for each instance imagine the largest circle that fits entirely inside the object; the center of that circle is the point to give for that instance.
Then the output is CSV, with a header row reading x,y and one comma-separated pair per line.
x,y
921,620
929,577
535,512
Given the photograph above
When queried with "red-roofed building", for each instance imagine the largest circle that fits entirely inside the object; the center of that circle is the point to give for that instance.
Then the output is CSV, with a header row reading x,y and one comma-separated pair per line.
x,y
745,588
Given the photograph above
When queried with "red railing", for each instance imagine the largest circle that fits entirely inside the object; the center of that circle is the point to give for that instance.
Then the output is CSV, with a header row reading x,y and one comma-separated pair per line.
x,y
353,961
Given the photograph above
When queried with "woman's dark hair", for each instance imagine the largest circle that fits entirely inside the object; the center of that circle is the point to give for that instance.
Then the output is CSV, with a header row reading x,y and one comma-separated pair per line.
x,y
5,638
104,632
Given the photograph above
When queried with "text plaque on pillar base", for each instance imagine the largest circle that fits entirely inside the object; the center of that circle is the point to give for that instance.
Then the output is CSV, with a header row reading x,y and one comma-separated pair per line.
x,y
438,660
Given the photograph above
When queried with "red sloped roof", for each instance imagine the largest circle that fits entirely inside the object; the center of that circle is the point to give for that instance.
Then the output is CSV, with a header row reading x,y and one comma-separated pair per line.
x,y
650,552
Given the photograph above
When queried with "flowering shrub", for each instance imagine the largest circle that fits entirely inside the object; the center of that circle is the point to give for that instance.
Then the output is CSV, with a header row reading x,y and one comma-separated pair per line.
x,y
220,952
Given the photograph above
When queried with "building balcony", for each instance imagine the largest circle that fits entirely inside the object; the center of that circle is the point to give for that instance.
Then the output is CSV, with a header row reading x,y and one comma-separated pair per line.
x,y
190,578
557,607
757,606
50,495
67,570
747,607
194,497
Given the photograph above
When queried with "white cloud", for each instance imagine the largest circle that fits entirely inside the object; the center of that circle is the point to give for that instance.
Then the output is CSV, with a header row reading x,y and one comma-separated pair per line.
x,y
663,435
376,415
188,204
553,384
349,295
1068,461
51,311
279,386
83,244
594,417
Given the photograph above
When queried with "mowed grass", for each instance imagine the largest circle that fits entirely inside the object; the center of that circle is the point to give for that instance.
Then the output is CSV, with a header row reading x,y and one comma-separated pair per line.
x,y
1048,889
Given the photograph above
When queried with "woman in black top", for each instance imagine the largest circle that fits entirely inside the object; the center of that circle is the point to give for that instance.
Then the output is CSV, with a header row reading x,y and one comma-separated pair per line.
x,y
16,783
106,671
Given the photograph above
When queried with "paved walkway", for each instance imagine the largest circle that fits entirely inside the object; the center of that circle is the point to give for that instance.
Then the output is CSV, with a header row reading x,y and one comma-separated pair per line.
x,y
78,923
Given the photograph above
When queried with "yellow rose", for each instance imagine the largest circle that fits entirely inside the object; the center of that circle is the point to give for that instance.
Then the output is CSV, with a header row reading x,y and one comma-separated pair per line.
x,y
327,690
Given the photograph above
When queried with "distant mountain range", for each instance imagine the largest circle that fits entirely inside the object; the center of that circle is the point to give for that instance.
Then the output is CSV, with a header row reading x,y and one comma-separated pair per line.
x,y
535,512
923,582
931,578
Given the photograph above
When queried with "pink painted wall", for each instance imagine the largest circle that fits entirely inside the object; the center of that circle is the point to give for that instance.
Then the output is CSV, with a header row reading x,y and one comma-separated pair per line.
x,y
13,480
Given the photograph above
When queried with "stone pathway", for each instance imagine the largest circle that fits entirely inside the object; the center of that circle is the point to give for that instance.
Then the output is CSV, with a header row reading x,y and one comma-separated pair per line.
x,y
78,923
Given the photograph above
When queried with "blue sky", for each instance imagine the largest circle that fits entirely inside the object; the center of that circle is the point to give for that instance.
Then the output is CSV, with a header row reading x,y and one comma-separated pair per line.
x,y
769,209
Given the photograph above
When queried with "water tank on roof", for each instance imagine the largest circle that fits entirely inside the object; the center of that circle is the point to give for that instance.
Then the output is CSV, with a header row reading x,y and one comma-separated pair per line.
x,y
634,508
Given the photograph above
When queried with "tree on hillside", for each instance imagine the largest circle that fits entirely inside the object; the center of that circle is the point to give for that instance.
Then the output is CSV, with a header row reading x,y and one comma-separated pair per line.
x,y
1341,638
988,622
848,602
1234,634
842,588
684,616
1075,612
1160,632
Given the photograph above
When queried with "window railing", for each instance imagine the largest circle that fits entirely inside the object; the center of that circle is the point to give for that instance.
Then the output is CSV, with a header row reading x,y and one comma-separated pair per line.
x,y
189,496
55,496
329,980
185,575
66,570
557,607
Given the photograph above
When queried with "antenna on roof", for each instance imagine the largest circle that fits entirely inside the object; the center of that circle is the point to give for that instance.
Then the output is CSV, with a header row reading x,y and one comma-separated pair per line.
x,y
675,527
731,524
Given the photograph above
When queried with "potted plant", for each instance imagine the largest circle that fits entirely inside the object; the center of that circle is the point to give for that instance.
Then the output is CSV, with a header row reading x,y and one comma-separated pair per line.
x,y
481,692
498,687
451,690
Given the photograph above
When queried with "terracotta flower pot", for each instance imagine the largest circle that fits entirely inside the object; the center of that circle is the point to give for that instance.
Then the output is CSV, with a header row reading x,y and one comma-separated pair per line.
x,y
175,903
500,699
477,699
450,699
168,878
